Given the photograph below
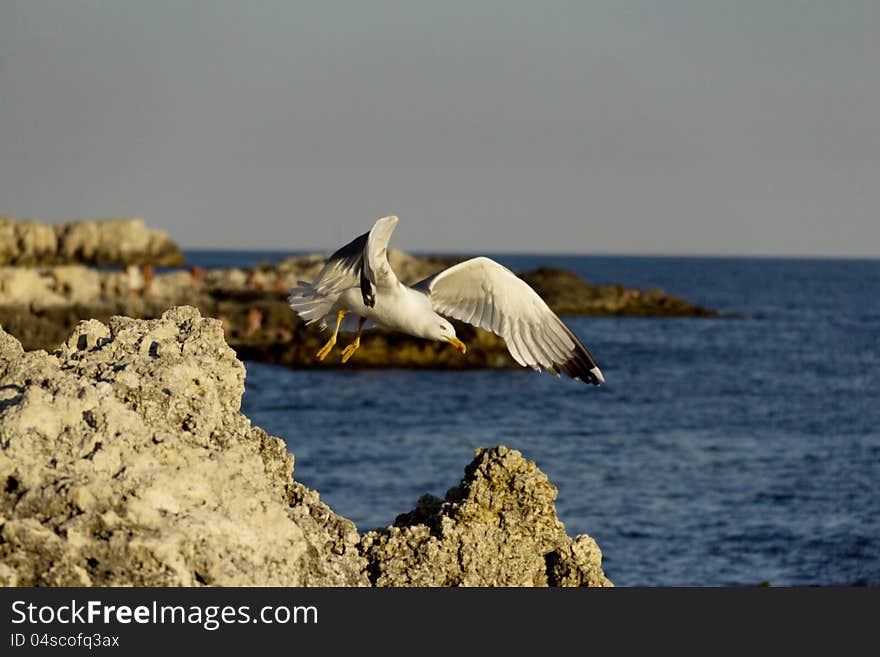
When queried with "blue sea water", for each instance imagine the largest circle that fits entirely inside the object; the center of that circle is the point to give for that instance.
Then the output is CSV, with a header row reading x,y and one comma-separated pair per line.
x,y
729,451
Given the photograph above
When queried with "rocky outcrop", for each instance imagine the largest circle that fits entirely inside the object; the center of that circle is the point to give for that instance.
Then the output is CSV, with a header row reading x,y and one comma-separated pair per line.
x,y
99,242
497,528
125,460
567,294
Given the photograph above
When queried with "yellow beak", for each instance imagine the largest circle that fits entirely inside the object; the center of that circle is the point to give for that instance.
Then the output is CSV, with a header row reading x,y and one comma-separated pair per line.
x,y
458,344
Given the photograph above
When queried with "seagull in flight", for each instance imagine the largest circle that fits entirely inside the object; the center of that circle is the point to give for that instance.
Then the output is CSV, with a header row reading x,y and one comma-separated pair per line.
x,y
357,289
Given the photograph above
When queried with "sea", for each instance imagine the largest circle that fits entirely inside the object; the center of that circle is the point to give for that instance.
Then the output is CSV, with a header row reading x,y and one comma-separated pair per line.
x,y
742,450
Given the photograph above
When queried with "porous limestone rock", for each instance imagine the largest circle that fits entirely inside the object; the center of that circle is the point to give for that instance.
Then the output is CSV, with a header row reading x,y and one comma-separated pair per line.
x,y
497,528
126,461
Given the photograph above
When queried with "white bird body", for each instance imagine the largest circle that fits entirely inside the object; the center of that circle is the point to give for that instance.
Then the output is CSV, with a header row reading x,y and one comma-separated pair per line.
x,y
398,308
357,282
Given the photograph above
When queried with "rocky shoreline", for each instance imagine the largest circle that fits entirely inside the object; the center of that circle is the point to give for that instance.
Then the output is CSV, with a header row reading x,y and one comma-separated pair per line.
x,y
126,461
41,305
94,242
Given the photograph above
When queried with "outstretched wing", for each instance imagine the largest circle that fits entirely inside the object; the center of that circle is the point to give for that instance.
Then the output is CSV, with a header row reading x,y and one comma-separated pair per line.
x,y
483,293
362,262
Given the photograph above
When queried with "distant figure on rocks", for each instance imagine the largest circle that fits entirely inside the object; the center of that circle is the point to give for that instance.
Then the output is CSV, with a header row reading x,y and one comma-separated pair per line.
x,y
197,276
279,285
284,334
255,321
224,323
252,281
149,277
134,279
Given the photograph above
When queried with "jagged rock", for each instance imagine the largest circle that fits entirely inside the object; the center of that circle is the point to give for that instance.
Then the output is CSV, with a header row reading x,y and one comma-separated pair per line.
x,y
126,461
575,564
497,528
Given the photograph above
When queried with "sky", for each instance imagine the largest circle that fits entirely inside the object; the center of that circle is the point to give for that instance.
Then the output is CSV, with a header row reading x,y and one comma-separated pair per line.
x,y
620,126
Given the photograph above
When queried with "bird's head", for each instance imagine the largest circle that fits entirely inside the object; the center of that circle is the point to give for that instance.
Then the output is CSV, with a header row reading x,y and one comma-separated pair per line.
x,y
445,332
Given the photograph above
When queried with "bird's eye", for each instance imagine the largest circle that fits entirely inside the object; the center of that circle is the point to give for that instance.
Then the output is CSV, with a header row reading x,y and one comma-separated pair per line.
x,y
442,328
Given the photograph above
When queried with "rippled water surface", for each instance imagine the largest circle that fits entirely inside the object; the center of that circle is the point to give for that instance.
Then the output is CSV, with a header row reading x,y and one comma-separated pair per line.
x,y
722,451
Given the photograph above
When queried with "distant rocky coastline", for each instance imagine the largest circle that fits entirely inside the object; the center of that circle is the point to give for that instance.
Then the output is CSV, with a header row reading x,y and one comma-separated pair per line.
x,y
125,461
40,305
98,242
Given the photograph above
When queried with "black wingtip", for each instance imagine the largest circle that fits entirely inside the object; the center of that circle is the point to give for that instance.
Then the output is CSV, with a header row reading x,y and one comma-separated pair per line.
x,y
577,367
367,290
581,365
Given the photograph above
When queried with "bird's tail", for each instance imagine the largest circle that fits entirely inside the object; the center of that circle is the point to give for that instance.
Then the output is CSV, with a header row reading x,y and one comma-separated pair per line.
x,y
309,304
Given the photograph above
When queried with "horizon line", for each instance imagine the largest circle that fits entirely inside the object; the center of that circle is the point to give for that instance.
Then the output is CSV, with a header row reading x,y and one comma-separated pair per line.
x,y
594,254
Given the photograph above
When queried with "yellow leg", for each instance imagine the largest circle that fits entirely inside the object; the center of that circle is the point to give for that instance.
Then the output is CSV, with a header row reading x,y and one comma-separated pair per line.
x,y
348,352
322,353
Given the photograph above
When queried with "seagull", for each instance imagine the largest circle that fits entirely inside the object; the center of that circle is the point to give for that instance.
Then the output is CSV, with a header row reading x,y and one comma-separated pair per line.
x,y
357,283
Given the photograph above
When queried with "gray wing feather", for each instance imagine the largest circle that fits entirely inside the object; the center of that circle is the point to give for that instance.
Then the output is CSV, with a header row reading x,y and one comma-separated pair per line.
x,y
343,269
362,262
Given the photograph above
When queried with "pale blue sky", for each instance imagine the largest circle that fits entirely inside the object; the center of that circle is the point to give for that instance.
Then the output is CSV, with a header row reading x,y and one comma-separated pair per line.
x,y
702,127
